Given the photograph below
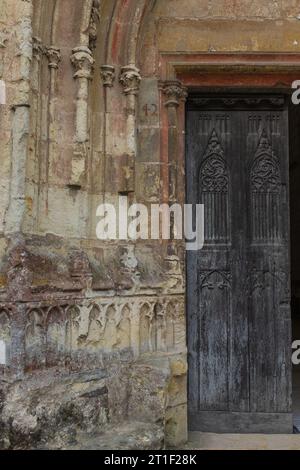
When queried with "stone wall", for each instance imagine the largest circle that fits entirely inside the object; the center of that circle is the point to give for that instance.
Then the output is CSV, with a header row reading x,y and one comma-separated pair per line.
x,y
89,116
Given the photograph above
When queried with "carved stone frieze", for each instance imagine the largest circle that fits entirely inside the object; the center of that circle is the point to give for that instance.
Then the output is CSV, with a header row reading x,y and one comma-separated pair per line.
x,y
79,334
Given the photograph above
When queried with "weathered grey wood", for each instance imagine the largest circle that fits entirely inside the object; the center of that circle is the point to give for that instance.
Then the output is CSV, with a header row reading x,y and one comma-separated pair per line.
x,y
243,423
238,292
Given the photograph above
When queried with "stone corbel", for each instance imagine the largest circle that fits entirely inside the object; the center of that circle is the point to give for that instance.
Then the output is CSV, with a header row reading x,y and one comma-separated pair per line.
x,y
83,63
54,57
108,75
130,79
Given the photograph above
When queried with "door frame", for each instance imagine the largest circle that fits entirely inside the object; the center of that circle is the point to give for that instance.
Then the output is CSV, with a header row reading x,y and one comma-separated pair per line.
x,y
184,73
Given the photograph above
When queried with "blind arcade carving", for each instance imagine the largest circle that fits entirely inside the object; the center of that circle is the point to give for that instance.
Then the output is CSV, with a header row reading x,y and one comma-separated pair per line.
x,y
214,181
265,193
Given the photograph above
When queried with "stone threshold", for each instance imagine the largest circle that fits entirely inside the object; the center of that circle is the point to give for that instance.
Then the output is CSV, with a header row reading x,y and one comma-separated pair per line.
x,y
211,441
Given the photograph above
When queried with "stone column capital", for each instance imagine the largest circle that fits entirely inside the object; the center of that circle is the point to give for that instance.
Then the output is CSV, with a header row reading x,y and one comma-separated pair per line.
x,y
54,56
173,91
83,62
130,79
108,75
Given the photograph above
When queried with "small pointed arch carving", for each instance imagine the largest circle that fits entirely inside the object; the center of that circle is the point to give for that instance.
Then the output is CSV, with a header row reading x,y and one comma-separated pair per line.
x,y
265,172
158,328
213,171
145,323
171,325
110,329
72,328
35,337
96,324
265,185
215,280
55,336
124,327
214,191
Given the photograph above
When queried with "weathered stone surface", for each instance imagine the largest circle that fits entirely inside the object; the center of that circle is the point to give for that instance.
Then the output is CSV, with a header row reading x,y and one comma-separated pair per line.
x,y
149,144
192,8
176,426
130,436
148,181
246,9
52,407
237,35
290,8
148,111
148,386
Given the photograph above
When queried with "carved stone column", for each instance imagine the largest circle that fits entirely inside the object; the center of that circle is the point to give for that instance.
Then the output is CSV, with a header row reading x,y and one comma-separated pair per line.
x,y
174,95
20,127
38,51
54,58
83,64
130,79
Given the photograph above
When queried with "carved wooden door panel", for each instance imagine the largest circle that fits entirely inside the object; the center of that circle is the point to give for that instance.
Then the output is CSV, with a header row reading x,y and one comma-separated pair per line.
x,y
238,284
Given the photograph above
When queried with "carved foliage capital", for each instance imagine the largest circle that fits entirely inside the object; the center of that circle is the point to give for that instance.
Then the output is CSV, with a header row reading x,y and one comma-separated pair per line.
x,y
83,62
130,79
54,57
174,92
107,73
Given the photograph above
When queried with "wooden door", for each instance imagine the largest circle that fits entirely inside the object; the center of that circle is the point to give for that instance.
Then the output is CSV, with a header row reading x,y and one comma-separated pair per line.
x,y
238,293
